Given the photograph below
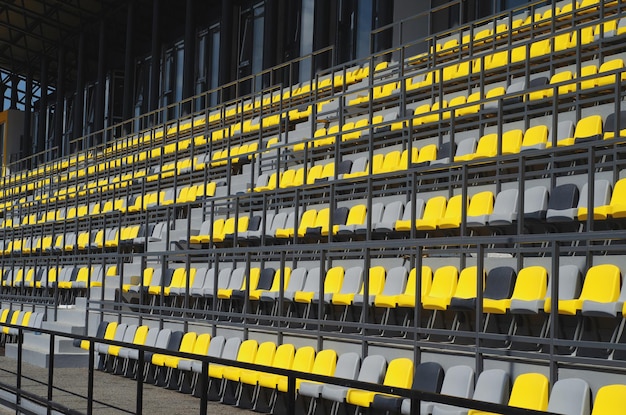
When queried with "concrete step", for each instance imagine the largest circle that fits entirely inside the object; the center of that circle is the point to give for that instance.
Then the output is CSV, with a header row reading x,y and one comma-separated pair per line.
x,y
41,357
42,342
64,328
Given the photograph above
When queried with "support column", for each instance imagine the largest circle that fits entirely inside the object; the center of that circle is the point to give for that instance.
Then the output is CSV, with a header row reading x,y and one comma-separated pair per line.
x,y
58,107
384,16
190,55
99,105
270,37
28,102
226,43
43,107
324,32
14,82
127,106
3,90
155,60
79,100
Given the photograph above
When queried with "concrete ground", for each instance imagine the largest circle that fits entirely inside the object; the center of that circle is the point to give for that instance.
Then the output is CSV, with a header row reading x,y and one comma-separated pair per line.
x,y
112,394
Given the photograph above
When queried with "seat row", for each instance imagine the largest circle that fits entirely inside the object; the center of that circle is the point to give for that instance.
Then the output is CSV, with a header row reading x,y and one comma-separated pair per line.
x,y
265,392
561,208
18,318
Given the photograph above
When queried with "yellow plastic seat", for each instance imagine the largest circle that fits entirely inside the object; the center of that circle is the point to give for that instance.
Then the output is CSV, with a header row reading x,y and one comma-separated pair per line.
x,y
434,210
530,285
407,298
453,215
589,127
616,207
442,289
602,285
530,391
399,374
608,399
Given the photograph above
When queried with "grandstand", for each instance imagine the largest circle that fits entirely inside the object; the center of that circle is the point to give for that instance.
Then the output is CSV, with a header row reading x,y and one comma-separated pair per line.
x,y
442,212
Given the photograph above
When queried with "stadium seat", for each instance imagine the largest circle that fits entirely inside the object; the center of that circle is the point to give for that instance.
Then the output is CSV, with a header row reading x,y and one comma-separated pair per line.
x,y
570,396
608,398
530,391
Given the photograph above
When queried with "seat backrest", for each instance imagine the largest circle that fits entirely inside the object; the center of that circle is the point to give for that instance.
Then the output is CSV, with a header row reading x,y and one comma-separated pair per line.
x,y
247,351
481,204
399,373
231,347
492,386
216,346
531,284
296,279
535,200
466,286
428,377
602,283
265,354
601,194
348,366
151,336
163,338
458,381
237,278
372,369
570,396
444,281
499,283
563,197
530,391
608,399
569,283
312,281
352,280
506,202
396,281
266,279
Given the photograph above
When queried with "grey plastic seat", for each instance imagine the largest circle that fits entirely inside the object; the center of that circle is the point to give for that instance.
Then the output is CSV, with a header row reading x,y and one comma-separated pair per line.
x,y
154,236
570,397
347,368
569,287
535,203
465,147
393,212
504,208
408,210
198,283
601,195
351,284
564,129
493,386
459,382
216,347
359,165
36,320
162,341
155,281
223,281
372,370
296,283
151,338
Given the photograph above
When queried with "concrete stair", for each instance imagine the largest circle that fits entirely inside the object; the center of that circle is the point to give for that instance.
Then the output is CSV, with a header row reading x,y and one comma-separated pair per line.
x,y
36,346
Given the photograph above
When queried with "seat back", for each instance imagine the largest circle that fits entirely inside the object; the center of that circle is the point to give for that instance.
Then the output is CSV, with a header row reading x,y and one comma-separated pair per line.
x,y
608,399
570,396
499,283
602,283
492,386
372,369
530,391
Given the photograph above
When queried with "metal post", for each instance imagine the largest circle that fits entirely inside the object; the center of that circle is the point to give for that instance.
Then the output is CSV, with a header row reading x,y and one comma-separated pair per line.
x,y
127,106
155,60
100,93
79,100
90,378
60,92
189,56
140,364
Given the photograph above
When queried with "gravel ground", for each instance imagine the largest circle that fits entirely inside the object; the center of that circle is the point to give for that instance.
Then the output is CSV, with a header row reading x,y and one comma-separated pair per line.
x,y
109,390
